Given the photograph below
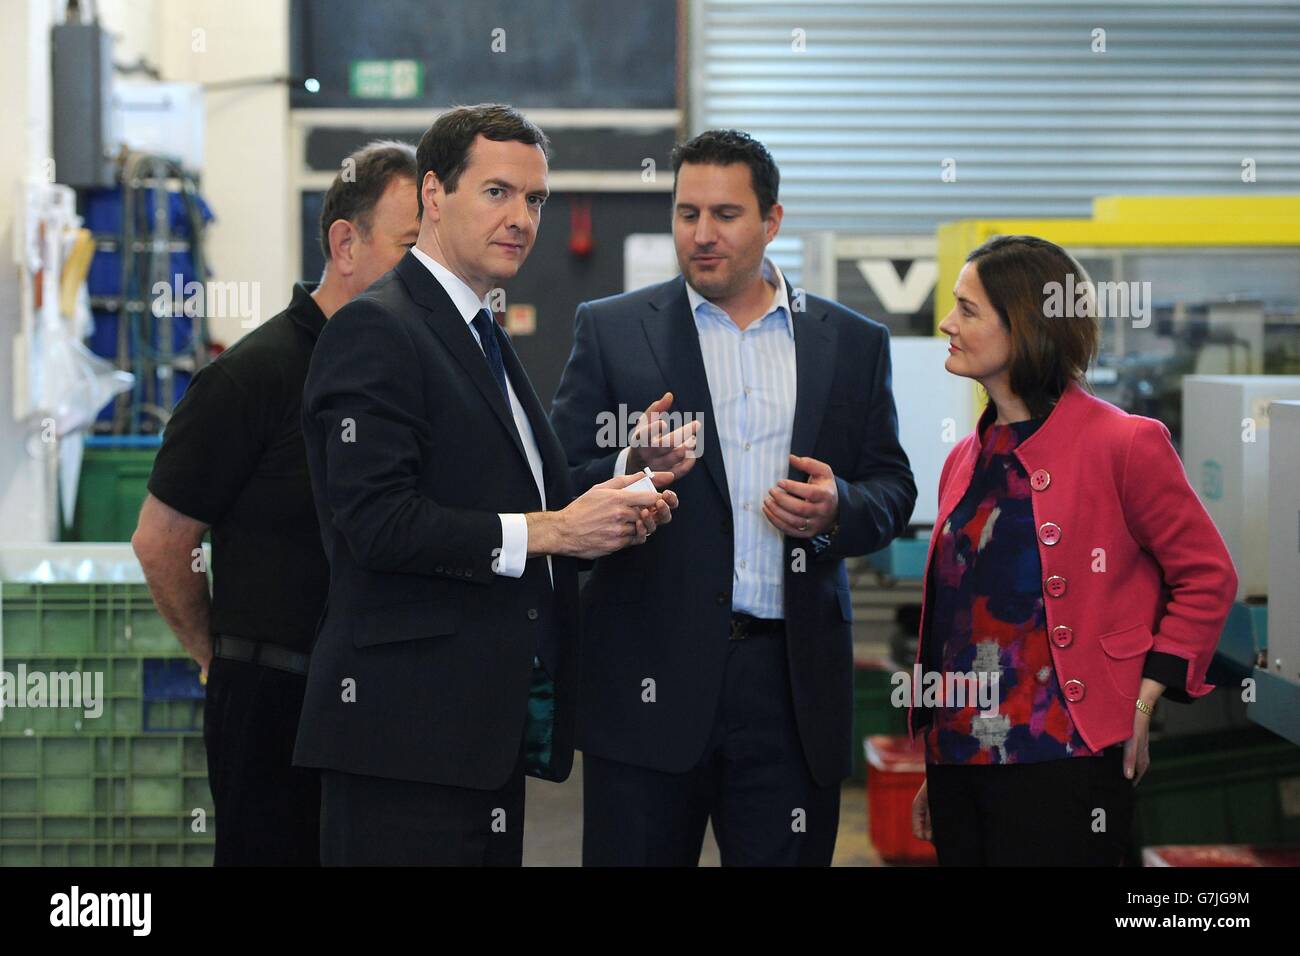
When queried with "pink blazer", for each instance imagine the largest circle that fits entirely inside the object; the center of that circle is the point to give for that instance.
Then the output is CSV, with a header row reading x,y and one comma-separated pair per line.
x,y
1132,564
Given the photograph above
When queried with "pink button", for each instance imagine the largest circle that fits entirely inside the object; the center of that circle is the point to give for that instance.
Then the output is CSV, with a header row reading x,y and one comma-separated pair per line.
x,y
1062,635
1049,533
1040,479
1074,691
1055,585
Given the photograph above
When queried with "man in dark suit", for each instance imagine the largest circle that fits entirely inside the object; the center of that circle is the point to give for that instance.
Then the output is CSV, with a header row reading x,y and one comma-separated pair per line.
x,y
717,660
444,663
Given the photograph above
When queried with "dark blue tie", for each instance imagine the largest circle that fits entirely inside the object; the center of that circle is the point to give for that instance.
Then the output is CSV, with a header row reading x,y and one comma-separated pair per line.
x,y
485,325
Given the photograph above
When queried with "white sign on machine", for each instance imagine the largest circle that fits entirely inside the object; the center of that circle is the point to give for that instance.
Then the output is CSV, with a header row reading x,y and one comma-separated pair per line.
x,y
935,410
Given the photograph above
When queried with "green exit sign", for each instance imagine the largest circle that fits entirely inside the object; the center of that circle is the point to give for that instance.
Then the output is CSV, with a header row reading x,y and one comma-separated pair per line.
x,y
386,79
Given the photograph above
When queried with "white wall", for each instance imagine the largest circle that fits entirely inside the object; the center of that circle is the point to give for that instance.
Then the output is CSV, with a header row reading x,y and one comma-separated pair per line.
x,y
25,512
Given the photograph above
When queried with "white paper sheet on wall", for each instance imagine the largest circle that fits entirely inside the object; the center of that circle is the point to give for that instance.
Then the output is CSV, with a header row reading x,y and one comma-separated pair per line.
x,y
648,259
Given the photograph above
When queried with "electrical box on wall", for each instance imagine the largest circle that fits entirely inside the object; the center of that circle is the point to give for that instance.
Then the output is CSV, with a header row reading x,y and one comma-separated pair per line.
x,y
1226,440
164,119
81,61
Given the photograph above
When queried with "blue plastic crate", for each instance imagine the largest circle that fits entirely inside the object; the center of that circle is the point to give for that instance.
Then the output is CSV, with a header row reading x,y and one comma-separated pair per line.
x,y
102,211
171,679
105,275
102,339
173,696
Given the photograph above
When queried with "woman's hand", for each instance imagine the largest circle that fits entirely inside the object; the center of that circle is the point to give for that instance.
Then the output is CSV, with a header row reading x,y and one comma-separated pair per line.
x,y
921,814
1136,757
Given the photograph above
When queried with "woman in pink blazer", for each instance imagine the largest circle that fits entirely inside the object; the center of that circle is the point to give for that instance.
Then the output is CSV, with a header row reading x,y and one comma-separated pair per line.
x,y
1073,578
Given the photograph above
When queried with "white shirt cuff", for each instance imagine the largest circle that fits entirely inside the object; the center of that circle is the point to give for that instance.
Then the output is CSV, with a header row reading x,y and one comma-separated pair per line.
x,y
514,546
620,463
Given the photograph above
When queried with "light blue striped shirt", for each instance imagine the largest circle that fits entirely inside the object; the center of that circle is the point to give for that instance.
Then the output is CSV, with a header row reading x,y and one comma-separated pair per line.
x,y
752,382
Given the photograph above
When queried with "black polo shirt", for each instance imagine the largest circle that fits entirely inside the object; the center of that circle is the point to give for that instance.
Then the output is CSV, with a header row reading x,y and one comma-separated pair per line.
x,y
233,457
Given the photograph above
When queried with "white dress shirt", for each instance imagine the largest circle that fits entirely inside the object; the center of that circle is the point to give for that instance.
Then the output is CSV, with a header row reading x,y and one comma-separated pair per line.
x,y
514,527
752,382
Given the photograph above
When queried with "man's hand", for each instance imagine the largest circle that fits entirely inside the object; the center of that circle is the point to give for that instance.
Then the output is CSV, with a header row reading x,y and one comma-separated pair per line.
x,y
922,829
651,518
654,446
607,517
165,542
804,509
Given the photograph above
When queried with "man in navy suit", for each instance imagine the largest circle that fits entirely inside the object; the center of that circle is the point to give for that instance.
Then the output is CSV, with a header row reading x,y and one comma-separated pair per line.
x,y
445,662
716,676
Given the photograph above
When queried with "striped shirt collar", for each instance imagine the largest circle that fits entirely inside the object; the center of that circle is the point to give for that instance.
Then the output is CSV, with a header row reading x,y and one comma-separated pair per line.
x,y
780,299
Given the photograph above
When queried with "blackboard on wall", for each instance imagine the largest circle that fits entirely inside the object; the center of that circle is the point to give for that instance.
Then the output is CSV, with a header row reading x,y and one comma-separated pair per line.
x,y
553,280
558,54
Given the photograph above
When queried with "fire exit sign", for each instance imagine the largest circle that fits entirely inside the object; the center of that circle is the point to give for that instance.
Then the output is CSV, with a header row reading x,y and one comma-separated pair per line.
x,y
386,79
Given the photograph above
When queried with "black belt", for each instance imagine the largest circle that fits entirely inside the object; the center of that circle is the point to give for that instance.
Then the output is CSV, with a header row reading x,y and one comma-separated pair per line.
x,y
259,652
746,625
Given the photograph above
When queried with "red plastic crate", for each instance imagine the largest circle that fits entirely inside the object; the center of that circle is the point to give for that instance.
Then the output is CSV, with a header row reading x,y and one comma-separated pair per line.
x,y
1221,855
895,771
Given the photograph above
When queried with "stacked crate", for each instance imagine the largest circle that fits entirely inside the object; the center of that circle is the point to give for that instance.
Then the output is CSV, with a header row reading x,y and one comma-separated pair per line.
x,y
114,482
128,787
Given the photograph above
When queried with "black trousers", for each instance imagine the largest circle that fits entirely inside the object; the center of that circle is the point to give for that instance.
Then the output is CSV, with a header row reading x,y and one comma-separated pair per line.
x,y
752,781
1077,811
267,810
376,821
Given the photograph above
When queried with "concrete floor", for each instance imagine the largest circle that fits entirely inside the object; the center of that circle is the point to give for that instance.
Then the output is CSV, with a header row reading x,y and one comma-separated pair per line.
x,y
553,825
553,812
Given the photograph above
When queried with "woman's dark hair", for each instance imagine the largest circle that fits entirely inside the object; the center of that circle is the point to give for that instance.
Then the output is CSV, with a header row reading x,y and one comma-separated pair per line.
x,y
444,147
722,147
1052,341
362,183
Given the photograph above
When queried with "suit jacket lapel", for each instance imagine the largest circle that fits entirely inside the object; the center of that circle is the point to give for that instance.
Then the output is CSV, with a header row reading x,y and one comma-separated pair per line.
x,y
675,342
449,325
555,472
814,347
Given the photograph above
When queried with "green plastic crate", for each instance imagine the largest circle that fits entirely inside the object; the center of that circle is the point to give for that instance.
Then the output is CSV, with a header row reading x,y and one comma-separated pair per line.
x,y
171,716
65,620
123,707
75,795
20,755
872,711
18,827
66,756
156,755
194,755
1217,788
152,793
105,791
112,488
118,712
19,795
71,827
103,853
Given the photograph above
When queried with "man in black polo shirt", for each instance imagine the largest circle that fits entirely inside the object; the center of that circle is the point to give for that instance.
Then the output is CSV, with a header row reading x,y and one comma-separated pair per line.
x,y
233,460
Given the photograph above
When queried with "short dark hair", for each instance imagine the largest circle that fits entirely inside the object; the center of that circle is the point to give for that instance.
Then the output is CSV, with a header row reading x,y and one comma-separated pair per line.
x,y
361,183
444,147
722,147
1047,352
